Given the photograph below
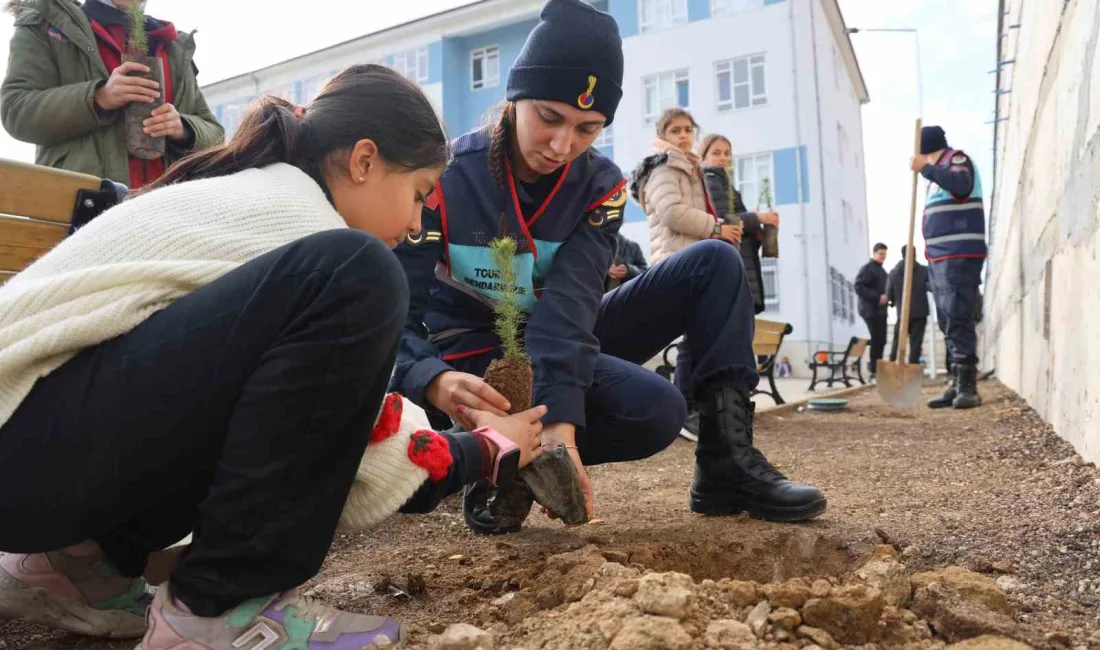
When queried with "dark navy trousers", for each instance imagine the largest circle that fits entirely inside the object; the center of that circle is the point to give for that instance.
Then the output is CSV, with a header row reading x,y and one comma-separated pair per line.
x,y
955,283
631,412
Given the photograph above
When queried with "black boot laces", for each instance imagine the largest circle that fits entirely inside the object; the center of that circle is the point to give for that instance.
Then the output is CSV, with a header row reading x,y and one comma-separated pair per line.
x,y
758,464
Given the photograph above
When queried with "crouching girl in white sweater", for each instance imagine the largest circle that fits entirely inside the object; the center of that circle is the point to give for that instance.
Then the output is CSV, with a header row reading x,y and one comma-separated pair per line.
x,y
212,356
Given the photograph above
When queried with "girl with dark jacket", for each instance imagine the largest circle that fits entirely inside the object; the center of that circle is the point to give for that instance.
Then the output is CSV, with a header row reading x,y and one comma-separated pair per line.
x,y
716,152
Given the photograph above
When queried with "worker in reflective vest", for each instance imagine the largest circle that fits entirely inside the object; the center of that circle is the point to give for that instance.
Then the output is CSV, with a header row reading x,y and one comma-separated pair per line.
x,y
954,238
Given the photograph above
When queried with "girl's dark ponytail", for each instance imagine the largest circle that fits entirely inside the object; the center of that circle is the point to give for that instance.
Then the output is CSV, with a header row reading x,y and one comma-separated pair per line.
x,y
269,133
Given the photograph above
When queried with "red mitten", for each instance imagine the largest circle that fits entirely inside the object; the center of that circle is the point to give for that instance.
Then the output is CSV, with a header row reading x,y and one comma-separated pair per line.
x,y
430,451
389,418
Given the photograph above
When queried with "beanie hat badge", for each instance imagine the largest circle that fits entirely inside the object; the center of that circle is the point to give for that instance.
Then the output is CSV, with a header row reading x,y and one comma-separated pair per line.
x,y
586,99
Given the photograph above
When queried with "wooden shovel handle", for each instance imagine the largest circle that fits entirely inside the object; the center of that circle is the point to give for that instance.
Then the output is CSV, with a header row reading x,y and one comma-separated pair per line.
x,y
910,256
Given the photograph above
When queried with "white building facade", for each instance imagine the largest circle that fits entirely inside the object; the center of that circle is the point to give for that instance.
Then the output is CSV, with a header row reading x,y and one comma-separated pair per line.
x,y
778,78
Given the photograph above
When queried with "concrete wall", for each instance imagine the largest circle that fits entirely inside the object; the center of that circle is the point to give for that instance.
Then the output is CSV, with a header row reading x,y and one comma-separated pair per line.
x,y
1041,293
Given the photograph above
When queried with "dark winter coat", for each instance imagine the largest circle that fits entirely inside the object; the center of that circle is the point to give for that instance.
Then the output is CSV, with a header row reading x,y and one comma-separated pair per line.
x,y
728,204
918,306
870,287
628,252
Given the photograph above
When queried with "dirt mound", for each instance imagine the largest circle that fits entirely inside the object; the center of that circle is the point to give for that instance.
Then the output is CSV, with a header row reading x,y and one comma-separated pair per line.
x,y
580,600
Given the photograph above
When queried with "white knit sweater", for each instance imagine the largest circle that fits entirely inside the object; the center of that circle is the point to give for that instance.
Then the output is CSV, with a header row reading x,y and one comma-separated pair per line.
x,y
139,257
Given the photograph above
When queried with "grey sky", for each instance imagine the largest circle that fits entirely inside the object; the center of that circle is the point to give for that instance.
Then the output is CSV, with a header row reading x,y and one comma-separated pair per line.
x,y
957,47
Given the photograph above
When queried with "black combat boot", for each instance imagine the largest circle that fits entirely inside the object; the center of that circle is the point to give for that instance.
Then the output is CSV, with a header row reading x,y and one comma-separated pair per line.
x,y
968,396
949,393
732,476
496,511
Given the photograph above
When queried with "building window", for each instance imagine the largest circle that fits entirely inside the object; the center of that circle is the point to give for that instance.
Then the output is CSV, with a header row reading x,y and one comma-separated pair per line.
x,y
485,67
839,287
748,172
730,7
412,63
769,272
661,14
851,303
741,82
605,139
665,90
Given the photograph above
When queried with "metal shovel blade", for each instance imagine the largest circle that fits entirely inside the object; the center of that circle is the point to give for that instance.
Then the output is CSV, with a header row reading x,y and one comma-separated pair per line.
x,y
899,383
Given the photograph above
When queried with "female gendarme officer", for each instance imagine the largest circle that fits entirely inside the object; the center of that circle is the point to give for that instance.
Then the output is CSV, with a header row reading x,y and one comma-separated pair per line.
x,y
534,175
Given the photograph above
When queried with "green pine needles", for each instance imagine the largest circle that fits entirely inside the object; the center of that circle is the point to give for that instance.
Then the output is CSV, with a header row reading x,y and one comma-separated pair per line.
x,y
139,39
509,314
765,195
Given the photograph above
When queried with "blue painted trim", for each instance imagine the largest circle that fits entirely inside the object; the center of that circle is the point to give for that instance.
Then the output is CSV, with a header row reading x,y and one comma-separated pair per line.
x,y
625,13
634,212
772,2
784,162
698,10
435,62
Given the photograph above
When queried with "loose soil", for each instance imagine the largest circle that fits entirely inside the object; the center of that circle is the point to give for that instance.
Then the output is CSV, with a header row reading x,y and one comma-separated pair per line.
x,y
990,491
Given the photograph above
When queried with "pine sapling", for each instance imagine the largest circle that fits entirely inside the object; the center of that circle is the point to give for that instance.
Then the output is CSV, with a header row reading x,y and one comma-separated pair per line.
x,y
138,42
770,244
764,197
508,312
511,375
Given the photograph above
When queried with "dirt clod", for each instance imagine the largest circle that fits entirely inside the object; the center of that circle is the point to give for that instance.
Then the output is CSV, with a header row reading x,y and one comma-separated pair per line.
x,y
462,636
725,634
885,573
665,594
989,642
757,620
651,633
967,584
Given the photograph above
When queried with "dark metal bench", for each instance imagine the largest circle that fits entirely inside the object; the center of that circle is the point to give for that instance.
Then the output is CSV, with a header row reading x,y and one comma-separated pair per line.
x,y
838,362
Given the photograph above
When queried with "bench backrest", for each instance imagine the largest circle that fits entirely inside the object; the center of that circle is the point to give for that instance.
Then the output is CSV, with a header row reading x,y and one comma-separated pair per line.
x,y
856,348
769,336
37,205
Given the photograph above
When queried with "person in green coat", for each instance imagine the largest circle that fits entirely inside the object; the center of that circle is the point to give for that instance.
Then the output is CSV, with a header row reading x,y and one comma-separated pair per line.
x,y
66,89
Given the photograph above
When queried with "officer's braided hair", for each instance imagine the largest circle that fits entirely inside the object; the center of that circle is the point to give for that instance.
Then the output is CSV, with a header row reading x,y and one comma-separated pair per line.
x,y
498,148
499,143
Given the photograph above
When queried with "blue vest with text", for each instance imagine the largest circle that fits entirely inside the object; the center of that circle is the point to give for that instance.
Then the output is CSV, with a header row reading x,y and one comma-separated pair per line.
x,y
954,227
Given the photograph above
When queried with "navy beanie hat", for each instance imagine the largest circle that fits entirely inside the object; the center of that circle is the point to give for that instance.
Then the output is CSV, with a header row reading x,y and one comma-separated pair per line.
x,y
575,56
932,139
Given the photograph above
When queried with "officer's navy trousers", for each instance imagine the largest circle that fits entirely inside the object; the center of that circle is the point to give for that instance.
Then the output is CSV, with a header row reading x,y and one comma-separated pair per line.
x,y
701,292
955,283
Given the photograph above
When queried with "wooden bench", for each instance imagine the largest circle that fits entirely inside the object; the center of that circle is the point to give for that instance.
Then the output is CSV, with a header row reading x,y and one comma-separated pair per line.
x,y
40,206
839,362
766,342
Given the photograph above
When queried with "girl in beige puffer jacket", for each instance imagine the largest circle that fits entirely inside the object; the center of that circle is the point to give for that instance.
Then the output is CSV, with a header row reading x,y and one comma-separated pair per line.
x,y
670,188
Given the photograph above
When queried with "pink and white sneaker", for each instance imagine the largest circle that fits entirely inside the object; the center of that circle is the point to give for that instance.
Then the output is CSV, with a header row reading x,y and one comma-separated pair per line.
x,y
287,620
73,589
